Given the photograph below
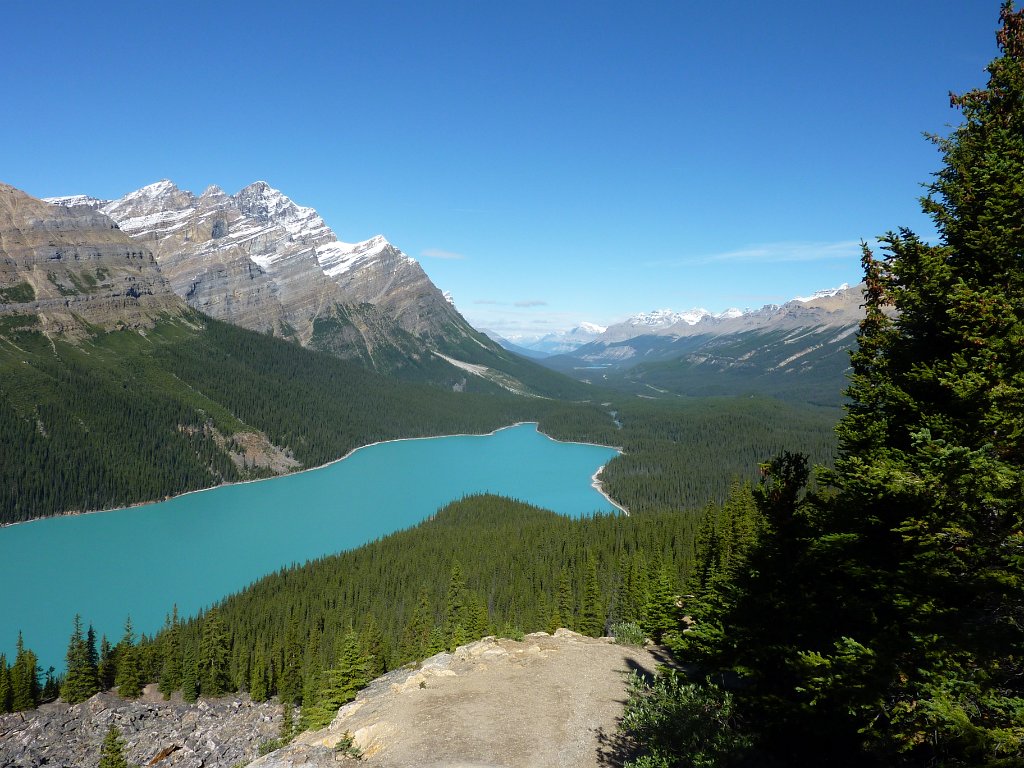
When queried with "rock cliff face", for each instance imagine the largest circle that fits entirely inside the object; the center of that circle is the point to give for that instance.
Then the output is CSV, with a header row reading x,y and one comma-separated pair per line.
x,y
258,260
73,267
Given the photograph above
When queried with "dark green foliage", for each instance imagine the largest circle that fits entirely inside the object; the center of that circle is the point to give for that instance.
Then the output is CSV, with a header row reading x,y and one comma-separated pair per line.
x,y
24,677
112,751
259,678
81,680
456,613
214,656
18,293
592,616
189,672
680,453
171,672
338,684
675,723
5,685
107,669
130,677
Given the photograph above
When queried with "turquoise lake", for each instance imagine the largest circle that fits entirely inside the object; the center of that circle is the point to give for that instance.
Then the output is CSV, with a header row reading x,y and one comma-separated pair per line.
x,y
195,549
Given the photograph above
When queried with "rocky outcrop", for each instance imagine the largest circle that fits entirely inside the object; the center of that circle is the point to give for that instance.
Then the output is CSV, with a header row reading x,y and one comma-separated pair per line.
x,y
73,268
545,701
215,733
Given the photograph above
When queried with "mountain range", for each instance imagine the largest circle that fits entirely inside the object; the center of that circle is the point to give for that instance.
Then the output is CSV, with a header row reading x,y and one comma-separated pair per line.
x,y
258,260
798,350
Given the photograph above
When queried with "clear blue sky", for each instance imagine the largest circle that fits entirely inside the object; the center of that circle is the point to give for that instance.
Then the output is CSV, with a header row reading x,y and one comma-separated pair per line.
x,y
547,162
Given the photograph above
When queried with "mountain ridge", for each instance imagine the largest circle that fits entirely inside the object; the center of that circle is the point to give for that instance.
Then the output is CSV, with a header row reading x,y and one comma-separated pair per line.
x,y
259,260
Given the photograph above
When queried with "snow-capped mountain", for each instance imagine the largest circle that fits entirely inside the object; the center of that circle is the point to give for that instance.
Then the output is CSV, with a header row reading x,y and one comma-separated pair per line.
x,y
799,349
832,306
258,259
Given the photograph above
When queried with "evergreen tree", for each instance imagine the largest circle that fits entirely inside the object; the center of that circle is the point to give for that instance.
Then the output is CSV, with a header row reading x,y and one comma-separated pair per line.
x,y
565,601
592,616
289,687
112,751
214,657
372,641
259,679
51,686
107,665
189,673
882,623
5,685
170,675
25,688
456,614
339,684
416,636
81,679
129,678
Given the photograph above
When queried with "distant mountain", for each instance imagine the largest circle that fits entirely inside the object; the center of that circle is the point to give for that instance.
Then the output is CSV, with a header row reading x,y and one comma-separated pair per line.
x,y
799,350
510,346
258,260
559,341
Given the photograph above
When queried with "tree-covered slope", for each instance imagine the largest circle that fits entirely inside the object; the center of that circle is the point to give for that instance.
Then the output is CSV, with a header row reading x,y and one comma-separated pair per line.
x,y
121,417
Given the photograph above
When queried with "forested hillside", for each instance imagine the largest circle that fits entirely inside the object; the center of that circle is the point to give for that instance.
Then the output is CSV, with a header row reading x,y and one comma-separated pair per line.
x,y
122,418
313,634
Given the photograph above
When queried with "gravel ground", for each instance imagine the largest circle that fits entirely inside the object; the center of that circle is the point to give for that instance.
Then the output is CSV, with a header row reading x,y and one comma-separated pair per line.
x,y
545,701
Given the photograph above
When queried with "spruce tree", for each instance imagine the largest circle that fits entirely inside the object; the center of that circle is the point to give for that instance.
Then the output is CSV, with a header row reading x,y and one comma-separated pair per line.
x,y
112,751
81,679
339,684
592,615
259,679
371,639
289,687
107,665
129,678
5,685
189,673
456,615
214,657
170,674
882,623
565,601
25,688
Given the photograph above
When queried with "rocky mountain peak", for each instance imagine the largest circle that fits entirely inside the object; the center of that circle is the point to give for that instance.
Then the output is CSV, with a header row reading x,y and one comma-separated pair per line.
x,y
262,202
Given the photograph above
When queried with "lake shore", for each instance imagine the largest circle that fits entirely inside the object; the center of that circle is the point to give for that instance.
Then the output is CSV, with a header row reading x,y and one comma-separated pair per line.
x,y
595,482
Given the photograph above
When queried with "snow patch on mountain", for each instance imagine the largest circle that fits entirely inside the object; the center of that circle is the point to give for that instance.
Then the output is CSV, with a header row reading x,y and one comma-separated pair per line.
x,y
827,293
161,209
337,257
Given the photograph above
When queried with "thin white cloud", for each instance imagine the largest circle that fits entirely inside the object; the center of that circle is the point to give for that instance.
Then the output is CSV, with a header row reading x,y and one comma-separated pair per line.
x,y
438,253
531,303
772,253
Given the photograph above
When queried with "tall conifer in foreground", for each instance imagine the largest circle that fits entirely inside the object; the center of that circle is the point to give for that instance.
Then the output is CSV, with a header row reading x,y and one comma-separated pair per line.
x,y
884,623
